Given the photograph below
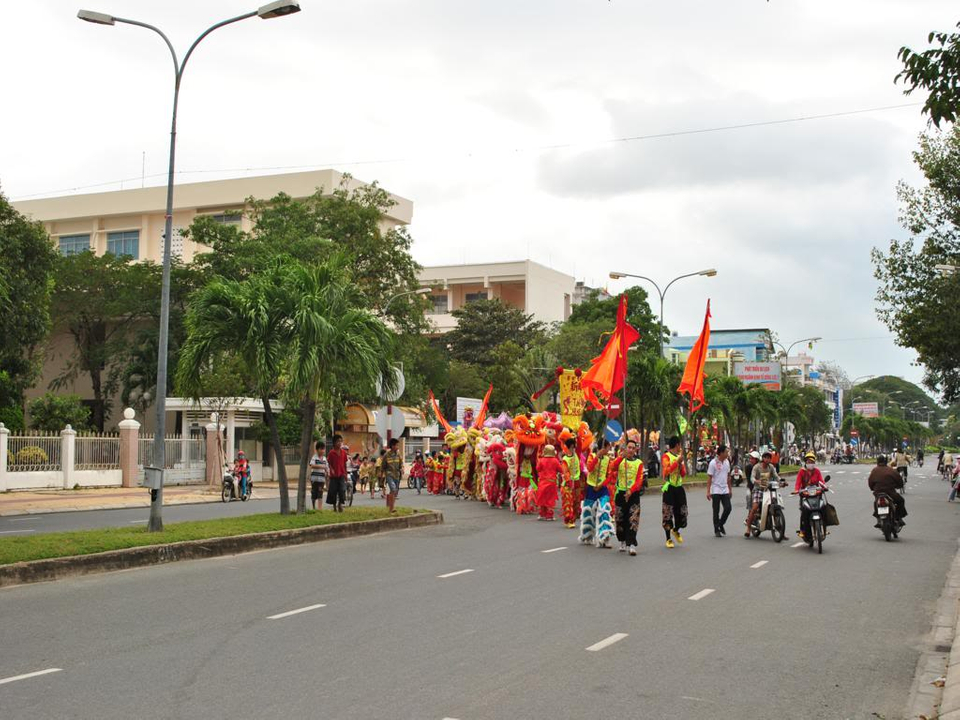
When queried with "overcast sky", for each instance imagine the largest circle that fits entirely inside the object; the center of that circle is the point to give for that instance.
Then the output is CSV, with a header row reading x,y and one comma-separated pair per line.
x,y
496,119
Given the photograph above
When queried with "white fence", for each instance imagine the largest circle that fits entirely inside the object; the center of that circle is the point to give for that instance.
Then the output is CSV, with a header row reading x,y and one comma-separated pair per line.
x,y
185,459
98,452
34,453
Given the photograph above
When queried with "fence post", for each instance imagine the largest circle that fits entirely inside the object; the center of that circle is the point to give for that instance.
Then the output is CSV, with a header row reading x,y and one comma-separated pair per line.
x,y
213,460
4,437
129,448
68,454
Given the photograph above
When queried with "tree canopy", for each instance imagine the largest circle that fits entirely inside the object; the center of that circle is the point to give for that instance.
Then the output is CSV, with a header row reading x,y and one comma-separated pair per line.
x,y
485,324
936,71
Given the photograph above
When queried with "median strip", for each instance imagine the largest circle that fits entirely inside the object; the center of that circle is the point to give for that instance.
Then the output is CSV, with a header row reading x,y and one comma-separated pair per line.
x,y
30,675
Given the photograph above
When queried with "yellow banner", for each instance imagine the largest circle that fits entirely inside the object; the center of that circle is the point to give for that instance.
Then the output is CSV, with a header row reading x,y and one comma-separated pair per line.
x,y
571,399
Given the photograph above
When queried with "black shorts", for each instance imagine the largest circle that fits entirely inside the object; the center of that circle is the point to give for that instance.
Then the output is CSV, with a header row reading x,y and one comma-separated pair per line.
x,y
316,490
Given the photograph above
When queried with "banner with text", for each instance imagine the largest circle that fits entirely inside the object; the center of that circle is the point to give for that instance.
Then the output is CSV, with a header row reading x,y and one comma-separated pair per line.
x,y
571,399
866,409
758,373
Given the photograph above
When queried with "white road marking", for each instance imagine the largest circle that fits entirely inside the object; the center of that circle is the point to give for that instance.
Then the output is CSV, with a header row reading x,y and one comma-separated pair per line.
x,y
702,594
759,564
8,532
607,642
134,522
554,549
30,675
295,612
29,517
799,544
458,572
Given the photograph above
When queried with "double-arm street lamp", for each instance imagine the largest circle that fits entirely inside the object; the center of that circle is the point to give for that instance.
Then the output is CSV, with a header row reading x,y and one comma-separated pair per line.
x,y
786,355
266,12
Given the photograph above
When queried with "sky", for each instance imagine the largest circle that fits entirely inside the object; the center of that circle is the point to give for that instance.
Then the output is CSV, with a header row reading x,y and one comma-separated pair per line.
x,y
555,130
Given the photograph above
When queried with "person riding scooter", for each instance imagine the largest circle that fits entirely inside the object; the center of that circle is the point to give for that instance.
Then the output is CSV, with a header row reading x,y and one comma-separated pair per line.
x,y
809,475
884,480
241,471
761,475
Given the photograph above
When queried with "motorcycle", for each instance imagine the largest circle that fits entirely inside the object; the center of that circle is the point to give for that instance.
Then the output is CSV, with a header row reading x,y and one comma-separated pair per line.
x,y
903,476
230,489
771,515
737,476
813,501
886,512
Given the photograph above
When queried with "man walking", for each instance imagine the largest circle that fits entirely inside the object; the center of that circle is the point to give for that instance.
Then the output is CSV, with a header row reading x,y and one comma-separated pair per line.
x,y
392,473
318,474
674,508
337,474
719,489
629,474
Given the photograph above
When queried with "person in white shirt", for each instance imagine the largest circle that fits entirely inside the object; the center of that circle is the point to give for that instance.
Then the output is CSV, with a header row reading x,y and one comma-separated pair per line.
x,y
719,489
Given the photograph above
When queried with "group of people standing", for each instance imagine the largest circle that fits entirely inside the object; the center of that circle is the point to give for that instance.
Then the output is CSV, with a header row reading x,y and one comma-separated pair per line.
x,y
334,469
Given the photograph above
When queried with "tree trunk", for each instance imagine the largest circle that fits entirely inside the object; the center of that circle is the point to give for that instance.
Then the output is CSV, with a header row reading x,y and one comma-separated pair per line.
x,y
281,468
308,410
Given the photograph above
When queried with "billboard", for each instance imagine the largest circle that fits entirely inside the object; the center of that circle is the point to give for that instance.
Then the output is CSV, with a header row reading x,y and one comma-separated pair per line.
x,y
867,409
762,373
467,409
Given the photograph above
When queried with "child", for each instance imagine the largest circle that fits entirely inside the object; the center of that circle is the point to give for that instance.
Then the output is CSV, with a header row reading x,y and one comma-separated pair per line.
x,y
571,480
318,474
548,471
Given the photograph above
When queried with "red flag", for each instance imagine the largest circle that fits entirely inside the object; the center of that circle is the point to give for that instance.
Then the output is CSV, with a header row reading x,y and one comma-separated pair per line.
x,y
481,416
432,401
608,371
693,374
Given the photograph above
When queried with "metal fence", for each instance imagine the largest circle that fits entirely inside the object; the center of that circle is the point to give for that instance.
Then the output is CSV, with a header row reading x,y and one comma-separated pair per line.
x,y
291,455
179,452
32,453
97,452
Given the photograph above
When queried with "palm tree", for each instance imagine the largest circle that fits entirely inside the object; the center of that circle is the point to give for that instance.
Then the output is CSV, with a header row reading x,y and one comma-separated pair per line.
x,y
248,319
337,345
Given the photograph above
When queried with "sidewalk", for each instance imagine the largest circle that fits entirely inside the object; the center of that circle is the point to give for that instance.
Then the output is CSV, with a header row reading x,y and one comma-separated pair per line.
x,y
31,502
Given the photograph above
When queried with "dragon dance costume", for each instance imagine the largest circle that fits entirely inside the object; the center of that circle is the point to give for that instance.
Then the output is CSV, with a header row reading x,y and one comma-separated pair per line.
x,y
595,522
629,481
674,496
569,490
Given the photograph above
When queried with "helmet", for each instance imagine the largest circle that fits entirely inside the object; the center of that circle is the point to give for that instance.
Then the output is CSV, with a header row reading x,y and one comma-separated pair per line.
x,y
810,456
755,455
240,454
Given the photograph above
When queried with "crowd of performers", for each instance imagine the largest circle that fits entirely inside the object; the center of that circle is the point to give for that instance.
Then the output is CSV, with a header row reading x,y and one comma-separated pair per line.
x,y
527,464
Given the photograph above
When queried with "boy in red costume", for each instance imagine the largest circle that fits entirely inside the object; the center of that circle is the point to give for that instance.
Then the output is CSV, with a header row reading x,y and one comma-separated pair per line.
x,y
548,471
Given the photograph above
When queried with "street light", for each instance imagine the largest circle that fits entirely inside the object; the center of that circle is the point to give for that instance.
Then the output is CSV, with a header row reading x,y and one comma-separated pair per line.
x,y
786,354
945,270
265,12
418,291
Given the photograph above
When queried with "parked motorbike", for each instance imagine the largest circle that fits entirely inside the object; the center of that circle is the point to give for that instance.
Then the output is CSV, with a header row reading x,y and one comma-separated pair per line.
x,y
230,489
771,515
813,501
886,511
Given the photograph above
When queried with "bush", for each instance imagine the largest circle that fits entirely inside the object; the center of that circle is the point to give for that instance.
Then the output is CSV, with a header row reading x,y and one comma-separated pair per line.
x,y
12,417
54,412
32,455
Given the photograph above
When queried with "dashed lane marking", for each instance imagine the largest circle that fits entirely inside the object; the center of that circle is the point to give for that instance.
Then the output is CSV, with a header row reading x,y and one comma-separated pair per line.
x,y
557,549
295,612
10,532
759,564
799,544
30,675
607,642
702,594
458,572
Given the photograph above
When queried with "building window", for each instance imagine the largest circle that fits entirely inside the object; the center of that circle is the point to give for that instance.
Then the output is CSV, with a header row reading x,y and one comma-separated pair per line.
x,y
126,243
474,297
74,244
438,305
230,218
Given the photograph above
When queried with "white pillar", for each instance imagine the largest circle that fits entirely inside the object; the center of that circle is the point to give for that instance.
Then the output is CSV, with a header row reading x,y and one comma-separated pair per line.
x,y
184,439
231,435
68,449
4,437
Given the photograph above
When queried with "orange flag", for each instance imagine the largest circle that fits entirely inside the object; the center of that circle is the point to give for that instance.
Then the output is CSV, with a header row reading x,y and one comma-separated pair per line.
x,y
693,375
435,406
608,370
482,415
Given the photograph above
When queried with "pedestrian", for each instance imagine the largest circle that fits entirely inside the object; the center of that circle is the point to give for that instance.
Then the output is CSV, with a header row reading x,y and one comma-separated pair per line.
x,y
376,480
337,474
548,471
629,474
418,471
571,480
719,489
392,473
353,471
364,473
318,474
595,523
674,509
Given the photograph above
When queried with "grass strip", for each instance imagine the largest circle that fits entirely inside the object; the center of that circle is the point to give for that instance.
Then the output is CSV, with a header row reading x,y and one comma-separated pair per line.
x,y
86,542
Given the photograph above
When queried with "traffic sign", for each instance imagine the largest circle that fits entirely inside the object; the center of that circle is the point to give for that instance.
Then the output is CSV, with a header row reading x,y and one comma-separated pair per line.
x,y
392,421
614,408
612,431
854,433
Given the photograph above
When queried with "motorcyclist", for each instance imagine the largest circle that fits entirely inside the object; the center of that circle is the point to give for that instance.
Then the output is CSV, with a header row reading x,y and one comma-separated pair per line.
x,y
920,456
885,480
902,461
241,471
761,475
809,475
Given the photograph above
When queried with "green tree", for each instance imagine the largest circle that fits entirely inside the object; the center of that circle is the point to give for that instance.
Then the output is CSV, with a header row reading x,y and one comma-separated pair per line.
x,y
506,374
248,319
814,418
53,413
463,380
27,259
101,302
936,71
921,308
485,324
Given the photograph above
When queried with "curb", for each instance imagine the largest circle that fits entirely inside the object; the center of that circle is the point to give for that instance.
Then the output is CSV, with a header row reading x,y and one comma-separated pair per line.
x,y
936,685
58,568
125,506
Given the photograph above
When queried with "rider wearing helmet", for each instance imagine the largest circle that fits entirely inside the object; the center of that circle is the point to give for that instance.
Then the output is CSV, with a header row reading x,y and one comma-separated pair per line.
x,y
885,480
241,471
809,475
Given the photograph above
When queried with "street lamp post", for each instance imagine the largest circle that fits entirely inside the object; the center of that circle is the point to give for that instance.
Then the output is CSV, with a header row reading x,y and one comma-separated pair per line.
x,y
279,8
786,354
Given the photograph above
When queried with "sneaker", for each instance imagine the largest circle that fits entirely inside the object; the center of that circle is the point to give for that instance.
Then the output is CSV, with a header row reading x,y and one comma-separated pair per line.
x,y
605,545
723,530
623,547
801,535
677,536
670,544
570,525
633,550
717,533
746,534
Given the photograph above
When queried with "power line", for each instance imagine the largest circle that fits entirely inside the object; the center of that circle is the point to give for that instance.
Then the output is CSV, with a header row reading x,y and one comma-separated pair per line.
x,y
472,154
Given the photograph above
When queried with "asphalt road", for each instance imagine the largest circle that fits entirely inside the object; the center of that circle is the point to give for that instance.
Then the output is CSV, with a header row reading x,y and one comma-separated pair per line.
x,y
383,635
